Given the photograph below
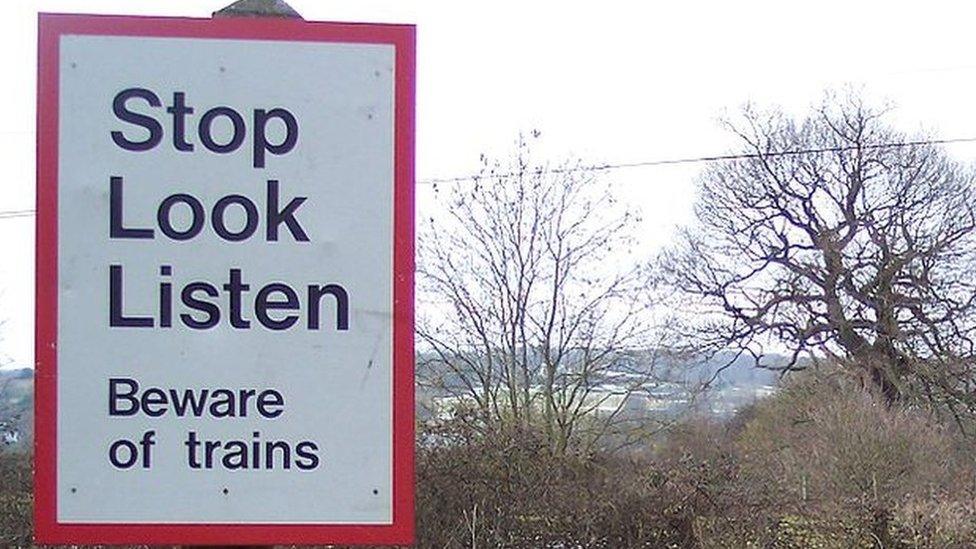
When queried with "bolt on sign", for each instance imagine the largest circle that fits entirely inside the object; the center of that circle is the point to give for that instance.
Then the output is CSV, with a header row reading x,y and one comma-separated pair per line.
x,y
224,281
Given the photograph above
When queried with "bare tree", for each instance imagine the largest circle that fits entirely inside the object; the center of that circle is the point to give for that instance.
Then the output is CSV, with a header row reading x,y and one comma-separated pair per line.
x,y
837,236
529,301
9,415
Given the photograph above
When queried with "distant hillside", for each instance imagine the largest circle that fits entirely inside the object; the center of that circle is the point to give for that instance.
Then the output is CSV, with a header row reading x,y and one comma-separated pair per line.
x,y
16,409
741,378
727,369
732,371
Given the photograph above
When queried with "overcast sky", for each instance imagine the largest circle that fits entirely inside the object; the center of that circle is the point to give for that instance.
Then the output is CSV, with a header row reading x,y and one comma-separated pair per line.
x,y
609,82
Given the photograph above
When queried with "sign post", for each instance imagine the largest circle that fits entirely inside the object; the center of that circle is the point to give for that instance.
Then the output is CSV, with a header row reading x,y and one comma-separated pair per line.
x,y
225,281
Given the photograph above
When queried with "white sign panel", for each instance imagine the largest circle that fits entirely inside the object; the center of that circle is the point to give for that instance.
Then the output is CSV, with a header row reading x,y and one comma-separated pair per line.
x,y
226,238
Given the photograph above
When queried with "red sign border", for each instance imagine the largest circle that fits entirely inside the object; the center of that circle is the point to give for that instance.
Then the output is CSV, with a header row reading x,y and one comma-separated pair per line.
x,y
47,529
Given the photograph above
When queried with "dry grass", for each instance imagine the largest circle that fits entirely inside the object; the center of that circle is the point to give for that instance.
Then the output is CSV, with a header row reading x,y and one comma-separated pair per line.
x,y
818,465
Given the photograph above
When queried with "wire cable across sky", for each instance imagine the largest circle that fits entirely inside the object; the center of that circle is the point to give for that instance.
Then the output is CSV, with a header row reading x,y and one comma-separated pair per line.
x,y
714,158
14,214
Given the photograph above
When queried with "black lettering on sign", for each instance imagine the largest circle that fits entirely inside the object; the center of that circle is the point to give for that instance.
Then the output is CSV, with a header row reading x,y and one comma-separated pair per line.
x,y
143,131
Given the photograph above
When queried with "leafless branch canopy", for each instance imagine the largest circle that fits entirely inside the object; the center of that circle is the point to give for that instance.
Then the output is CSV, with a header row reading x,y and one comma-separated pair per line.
x,y
862,253
527,301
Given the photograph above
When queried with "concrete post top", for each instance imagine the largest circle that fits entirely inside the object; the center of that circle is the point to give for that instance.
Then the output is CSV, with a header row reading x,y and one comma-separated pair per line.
x,y
258,8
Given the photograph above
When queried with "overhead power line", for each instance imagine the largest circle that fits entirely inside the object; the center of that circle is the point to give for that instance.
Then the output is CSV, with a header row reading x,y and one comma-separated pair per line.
x,y
704,159
12,214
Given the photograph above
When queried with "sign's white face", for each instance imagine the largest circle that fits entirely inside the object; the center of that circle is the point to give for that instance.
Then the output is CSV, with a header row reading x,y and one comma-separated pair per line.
x,y
225,289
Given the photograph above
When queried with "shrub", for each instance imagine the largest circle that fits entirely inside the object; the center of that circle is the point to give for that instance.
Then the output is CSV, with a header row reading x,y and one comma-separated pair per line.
x,y
819,443
510,490
15,499
820,464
